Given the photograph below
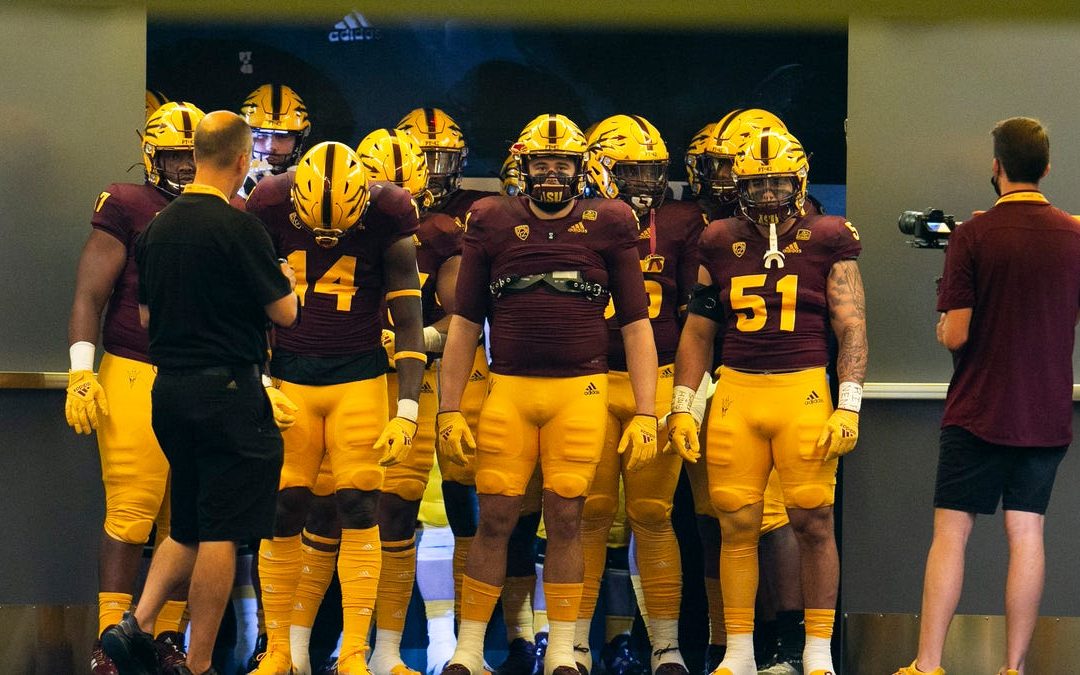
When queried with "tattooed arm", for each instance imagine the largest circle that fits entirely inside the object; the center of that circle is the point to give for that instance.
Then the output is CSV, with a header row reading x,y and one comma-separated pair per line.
x,y
847,314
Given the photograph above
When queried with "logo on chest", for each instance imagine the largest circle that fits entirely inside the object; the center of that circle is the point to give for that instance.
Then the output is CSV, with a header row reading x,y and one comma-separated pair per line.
x,y
738,248
577,228
522,232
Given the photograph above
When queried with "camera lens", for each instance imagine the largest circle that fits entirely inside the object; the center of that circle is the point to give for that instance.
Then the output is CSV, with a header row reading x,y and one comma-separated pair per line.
x,y
909,221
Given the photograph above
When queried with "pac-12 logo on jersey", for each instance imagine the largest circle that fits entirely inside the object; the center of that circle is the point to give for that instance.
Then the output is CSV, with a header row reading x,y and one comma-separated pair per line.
x,y
738,248
522,232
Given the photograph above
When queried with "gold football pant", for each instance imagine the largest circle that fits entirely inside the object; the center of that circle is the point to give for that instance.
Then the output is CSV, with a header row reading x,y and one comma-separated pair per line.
x,y
408,479
133,468
648,497
550,419
472,401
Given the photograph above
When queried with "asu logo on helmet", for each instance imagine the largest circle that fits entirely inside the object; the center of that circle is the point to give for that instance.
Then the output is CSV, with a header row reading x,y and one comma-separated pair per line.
x,y
330,192
395,156
554,137
441,139
627,159
168,144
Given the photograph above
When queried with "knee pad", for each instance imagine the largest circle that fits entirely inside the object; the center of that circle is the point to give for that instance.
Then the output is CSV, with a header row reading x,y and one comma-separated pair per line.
x,y
365,476
728,499
568,485
405,484
809,496
130,511
646,512
600,506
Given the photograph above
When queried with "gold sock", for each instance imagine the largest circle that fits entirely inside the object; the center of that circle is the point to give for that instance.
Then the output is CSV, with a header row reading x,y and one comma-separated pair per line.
x,y
316,571
395,583
739,620
594,537
170,617
279,571
660,567
111,608
517,607
819,622
461,553
477,603
359,564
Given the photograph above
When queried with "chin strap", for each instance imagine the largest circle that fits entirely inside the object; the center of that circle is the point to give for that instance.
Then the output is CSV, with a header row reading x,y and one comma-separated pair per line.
x,y
773,255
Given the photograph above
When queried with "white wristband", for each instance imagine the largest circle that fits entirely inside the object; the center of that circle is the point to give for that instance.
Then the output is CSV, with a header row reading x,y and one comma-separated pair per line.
x,y
850,396
408,409
433,339
82,355
267,382
682,399
701,397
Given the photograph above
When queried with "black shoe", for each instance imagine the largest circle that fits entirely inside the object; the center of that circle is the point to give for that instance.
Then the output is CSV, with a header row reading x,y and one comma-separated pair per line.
x,y
170,653
130,648
714,654
617,658
670,667
520,659
329,667
260,649
541,648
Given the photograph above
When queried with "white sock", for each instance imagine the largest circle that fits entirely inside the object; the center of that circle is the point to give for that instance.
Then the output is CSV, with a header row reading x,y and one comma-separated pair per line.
x,y
470,646
665,642
582,653
441,642
387,652
817,655
739,658
300,644
560,651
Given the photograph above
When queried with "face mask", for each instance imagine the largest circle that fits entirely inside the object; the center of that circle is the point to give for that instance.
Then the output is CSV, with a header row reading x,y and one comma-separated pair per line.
x,y
994,182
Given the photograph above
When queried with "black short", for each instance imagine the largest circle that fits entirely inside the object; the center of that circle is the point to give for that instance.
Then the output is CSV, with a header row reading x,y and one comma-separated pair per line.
x,y
974,474
217,431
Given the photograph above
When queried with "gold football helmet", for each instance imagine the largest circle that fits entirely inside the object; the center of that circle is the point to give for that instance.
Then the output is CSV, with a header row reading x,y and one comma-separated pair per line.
x,y
726,140
627,159
154,100
330,192
695,159
168,144
510,177
770,176
393,155
279,125
553,136
441,138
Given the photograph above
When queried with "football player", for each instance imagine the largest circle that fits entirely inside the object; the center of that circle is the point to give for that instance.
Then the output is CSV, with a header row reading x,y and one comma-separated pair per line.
x,y
347,242
117,402
443,143
780,280
628,160
546,258
279,125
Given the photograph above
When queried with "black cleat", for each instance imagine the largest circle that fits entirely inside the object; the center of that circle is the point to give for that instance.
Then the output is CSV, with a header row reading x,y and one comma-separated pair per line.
x,y
617,658
521,659
714,654
131,649
260,649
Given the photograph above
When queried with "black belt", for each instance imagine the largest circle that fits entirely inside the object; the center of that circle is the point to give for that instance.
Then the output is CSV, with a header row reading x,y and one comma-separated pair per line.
x,y
241,370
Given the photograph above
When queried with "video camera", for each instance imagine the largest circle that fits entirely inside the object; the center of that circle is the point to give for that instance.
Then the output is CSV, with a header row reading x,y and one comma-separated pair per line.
x,y
930,228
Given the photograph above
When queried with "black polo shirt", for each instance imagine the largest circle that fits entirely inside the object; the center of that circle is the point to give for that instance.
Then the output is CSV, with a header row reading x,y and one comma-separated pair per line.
x,y
206,271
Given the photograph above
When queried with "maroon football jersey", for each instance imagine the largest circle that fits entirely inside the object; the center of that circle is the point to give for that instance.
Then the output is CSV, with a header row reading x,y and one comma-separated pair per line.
x,y
541,332
124,210
341,287
460,201
776,319
438,238
668,249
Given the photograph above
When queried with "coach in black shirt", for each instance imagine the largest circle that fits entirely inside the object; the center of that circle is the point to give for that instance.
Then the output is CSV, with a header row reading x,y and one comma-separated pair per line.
x,y
208,280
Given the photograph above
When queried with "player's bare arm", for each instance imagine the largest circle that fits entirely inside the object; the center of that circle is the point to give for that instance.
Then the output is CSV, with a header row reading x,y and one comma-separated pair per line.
x,y
445,287
100,264
847,314
641,361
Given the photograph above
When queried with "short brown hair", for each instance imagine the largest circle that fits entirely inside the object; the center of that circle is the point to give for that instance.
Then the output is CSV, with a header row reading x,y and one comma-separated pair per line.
x,y
1023,149
220,139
